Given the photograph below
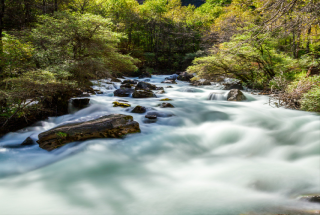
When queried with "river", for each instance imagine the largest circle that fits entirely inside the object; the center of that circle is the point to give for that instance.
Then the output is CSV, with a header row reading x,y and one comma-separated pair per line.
x,y
210,157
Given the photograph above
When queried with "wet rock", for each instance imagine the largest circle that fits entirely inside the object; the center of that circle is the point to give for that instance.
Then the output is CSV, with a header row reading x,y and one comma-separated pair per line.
x,y
172,77
145,75
184,76
98,92
139,109
129,81
125,92
127,85
115,80
80,102
166,105
121,100
159,88
205,82
151,116
169,82
110,126
161,92
28,142
145,86
143,94
119,104
314,199
160,113
233,86
235,95
147,80
166,99
169,87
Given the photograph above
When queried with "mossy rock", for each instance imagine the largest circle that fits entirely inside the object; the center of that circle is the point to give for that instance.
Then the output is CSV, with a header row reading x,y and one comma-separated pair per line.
x,y
119,104
166,99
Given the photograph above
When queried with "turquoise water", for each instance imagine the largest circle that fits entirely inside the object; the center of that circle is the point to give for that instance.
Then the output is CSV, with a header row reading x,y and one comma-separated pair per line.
x,y
211,157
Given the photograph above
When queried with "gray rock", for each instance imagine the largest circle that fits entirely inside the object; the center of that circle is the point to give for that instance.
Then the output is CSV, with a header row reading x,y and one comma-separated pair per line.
x,y
80,102
139,109
110,126
145,86
125,92
151,116
143,94
28,142
235,95
166,105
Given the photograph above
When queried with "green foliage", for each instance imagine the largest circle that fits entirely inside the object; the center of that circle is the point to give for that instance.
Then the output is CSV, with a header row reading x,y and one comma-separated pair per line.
x,y
311,100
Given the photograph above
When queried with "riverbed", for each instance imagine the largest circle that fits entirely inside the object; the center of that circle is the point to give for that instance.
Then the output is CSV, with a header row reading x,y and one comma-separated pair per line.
x,y
203,157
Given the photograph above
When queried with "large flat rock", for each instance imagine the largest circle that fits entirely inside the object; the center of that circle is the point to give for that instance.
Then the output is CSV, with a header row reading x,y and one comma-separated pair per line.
x,y
110,126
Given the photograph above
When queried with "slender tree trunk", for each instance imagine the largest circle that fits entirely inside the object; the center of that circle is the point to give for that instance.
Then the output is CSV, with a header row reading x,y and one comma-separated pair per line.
x,y
2,8
308,43
56,5
44,11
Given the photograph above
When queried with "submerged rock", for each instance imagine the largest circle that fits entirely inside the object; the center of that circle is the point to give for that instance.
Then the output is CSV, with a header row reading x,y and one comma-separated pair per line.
x,y
124,92
27,142
160,113
235,95
80,102
139,109
161,92
110,126
118,104
145,86
169,87
314,199
166,105
151,116
143,94
159,88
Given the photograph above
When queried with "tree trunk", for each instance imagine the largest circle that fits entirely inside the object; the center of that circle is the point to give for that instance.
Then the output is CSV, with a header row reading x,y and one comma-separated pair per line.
x,y
56,5
2,7
308,43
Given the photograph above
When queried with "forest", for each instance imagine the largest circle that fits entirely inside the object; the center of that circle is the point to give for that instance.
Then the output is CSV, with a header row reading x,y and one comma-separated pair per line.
x,y
51,49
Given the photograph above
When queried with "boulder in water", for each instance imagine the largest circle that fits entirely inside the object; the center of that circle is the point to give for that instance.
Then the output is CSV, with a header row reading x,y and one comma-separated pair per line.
x,y
172,77
166,105
115,80
161,92
184,76
235,95
151,116
143,94
145,86
161,113
129,81
127,85
125,92
145,75
28,142
166,99
110,126
314,199
139,109
169,82
169,87
119,104
159,88
80,102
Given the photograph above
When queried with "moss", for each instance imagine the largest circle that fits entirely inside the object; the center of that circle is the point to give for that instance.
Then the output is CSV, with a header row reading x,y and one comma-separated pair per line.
x,y
117,104
166,99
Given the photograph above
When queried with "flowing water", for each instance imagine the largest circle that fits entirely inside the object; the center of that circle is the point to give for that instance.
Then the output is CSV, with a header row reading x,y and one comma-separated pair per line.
x,y
204,157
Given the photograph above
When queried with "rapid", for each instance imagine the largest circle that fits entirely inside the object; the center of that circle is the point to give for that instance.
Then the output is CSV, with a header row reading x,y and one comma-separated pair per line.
x,y
206,156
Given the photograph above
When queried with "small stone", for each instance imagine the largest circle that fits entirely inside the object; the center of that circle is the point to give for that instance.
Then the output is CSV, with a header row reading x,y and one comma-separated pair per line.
x,y
151,116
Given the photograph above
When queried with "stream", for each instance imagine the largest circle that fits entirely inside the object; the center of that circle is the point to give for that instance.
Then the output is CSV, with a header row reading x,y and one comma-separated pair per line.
x,y
203,157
